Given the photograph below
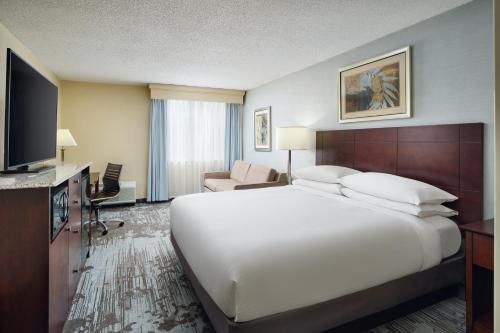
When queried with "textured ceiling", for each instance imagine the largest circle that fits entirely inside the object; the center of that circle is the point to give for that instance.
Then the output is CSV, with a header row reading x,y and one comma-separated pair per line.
x,y
236,44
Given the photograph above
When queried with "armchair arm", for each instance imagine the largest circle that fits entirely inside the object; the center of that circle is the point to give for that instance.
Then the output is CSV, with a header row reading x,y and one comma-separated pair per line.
x,y
282,178
216,175
257,185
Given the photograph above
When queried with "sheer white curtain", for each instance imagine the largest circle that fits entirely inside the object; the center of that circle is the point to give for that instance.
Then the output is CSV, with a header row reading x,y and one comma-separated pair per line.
x,y
196,133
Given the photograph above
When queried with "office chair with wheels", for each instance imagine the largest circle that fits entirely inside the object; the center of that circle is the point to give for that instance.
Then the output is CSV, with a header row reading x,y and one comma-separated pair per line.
x,y
111,188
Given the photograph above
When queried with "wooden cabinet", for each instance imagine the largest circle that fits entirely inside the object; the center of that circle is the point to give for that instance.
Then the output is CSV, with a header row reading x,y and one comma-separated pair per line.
x,y
85,229
479,276
39,274
482,251
75,237
58,281
74,261
24,260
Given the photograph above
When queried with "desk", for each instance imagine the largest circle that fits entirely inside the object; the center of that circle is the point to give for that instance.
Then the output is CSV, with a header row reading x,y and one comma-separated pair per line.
x,y
479,276
94,180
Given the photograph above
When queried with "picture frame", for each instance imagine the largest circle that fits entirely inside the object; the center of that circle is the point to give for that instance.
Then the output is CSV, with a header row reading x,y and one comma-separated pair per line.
x,y
262,129
376,89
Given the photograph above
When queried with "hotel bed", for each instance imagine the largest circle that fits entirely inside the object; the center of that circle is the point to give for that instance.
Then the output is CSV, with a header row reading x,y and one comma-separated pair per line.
x,y
296,259
261,252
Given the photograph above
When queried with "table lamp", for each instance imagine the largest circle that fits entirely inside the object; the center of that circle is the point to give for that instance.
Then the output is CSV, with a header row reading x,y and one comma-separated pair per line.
x,y
64,139
292,138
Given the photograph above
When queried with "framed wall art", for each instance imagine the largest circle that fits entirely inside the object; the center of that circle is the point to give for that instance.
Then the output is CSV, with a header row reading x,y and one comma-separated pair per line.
x,y
262,129
376,89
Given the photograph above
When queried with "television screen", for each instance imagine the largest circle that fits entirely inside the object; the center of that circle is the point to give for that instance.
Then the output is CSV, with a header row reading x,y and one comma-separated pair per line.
x,y
30,115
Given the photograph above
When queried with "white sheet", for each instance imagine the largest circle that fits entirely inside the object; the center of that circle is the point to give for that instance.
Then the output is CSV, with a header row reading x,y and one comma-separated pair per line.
x,y
320,186
265,251
449,234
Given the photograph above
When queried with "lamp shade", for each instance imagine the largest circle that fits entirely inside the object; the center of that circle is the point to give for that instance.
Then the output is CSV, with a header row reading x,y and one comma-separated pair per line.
x,y
65,139
293,138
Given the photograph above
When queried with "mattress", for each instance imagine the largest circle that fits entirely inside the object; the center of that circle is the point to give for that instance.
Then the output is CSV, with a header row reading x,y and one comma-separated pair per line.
x,y
261,252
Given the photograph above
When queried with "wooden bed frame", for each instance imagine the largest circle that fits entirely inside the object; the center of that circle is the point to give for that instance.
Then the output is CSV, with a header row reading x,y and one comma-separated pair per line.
x,y
446,156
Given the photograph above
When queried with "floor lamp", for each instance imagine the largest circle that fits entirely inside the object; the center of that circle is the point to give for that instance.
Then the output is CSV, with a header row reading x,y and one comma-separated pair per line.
x,y
292,138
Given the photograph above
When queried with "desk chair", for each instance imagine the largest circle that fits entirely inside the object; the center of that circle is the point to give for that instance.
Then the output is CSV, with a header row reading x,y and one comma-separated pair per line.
x,y
111,188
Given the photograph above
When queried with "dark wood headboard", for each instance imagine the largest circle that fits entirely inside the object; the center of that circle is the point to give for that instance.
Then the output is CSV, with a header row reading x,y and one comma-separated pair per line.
x,y
447,156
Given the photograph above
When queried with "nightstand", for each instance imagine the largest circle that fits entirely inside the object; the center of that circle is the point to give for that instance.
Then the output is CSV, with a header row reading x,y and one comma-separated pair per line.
x,y
479,276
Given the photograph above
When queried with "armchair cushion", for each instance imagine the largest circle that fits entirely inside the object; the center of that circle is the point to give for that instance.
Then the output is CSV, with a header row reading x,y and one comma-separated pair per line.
x,y
218,185
252,176
240,170
259,174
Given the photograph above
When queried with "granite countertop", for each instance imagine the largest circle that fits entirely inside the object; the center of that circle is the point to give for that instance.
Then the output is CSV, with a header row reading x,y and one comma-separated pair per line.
x,y
52,177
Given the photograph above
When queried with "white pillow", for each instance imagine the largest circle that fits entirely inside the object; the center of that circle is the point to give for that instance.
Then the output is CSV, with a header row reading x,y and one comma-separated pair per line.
x,y
424,210
396,188
324,173
324,187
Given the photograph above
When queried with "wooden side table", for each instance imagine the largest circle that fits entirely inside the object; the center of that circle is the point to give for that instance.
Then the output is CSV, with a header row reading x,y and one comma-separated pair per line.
x,y
479,276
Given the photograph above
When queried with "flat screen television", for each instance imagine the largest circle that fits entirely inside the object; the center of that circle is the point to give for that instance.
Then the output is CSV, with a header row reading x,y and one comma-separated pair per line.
x,y
30,115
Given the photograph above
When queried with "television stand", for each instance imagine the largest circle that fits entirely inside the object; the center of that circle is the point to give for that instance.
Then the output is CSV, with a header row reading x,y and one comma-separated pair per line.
x,y
25,169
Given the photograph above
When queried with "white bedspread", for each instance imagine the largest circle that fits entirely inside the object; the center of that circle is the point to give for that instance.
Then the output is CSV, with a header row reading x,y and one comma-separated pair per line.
x,y
265,251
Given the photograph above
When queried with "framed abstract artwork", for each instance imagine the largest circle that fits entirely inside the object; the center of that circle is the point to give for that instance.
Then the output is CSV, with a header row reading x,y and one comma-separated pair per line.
x,y
376,89
262,129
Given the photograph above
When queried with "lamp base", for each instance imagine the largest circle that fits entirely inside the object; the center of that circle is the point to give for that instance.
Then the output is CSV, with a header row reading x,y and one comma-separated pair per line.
x,y
289,172
62,155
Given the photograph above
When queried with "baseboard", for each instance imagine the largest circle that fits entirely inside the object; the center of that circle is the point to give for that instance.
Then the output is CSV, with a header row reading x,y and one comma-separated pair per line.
x,y
137,201
144,200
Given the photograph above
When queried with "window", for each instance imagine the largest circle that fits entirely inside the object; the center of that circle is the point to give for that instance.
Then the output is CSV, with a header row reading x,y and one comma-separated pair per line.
x,y
195,143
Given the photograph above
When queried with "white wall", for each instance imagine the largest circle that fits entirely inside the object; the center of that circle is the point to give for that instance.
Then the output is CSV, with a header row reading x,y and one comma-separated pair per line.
x,y
452,83
497,165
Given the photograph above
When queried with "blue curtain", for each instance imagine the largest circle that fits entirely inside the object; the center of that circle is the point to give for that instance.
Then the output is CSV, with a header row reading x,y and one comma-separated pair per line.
x,y
232,147
157,162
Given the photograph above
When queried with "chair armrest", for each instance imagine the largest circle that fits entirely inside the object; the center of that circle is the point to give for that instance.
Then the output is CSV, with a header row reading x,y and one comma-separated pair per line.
x,y
216,175
282,178
258,185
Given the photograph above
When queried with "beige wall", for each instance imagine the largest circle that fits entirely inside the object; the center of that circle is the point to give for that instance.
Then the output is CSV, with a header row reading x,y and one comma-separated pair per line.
x,y
8,40
110,123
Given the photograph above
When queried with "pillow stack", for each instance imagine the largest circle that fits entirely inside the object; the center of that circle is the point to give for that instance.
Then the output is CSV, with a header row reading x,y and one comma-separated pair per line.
x,y
380,189
325,178
398,193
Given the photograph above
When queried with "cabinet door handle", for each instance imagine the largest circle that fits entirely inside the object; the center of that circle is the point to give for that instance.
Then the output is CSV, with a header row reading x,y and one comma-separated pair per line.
x,y
76,181
75,271
67,229
75,231
75,202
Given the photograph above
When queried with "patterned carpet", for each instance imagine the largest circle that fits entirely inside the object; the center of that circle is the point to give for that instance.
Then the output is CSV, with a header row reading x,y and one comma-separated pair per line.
x,y
133,282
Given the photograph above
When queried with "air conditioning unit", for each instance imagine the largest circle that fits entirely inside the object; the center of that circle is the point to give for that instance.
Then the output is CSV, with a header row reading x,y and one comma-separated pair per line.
x,y
125,197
